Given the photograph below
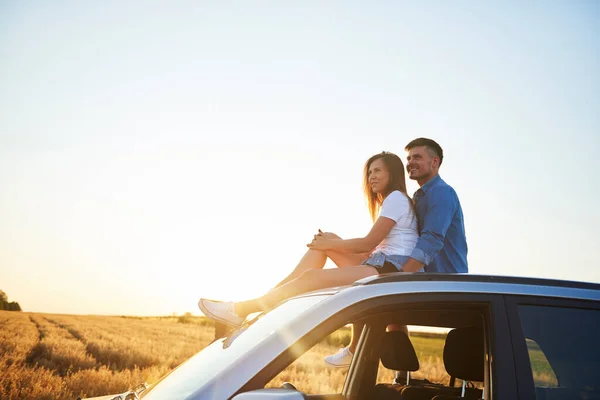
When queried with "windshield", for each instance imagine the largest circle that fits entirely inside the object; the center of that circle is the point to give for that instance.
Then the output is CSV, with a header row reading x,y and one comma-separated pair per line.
x,y
212,360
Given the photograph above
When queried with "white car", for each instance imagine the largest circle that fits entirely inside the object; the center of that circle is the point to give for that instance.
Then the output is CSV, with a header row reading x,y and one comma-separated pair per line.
x,y
133,394
508,338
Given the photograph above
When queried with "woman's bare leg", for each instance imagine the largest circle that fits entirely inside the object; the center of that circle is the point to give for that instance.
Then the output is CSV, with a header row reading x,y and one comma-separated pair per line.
x,y
342,260
316,259
310,279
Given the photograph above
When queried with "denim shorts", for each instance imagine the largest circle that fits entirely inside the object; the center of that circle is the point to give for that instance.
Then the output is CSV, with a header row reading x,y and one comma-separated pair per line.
x,y
386,263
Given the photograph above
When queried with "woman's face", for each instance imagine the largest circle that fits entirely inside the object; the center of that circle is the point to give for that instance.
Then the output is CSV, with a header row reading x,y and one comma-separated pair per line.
x,y
379,177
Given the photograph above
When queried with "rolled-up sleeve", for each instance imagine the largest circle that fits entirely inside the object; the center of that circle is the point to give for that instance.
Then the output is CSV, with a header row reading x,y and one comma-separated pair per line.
x,y
441,206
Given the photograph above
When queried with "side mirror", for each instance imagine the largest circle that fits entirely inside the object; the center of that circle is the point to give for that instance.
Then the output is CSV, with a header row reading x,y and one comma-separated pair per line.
x,y
271,394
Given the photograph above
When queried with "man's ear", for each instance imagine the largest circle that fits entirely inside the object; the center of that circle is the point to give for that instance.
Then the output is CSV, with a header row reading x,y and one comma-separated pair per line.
x,y
436,162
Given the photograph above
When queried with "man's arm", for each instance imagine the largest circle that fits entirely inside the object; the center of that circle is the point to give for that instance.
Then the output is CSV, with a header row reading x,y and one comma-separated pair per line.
x,y
437,219
412,265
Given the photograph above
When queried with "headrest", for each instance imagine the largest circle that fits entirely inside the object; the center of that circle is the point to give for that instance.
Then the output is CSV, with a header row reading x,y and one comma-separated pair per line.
x,y
464,354
398,353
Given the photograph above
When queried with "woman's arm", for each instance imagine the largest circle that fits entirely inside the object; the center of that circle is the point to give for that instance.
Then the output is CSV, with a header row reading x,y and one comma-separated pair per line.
x,y
378,232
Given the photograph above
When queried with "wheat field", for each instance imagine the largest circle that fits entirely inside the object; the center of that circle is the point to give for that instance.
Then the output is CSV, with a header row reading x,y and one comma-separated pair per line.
x,y
51,356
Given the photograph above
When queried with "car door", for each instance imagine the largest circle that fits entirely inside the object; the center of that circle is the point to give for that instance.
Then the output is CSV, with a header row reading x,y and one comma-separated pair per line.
x,y
556,347
499,382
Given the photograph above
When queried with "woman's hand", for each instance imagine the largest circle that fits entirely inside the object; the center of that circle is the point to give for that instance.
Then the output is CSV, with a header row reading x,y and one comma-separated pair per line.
x,y
327,235
319,243
322,240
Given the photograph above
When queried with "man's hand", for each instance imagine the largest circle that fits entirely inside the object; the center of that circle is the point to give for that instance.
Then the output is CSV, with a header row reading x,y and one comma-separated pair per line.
x,y
412,265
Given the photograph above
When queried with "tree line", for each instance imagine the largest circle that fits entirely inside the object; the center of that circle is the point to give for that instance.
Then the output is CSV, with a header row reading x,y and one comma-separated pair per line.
x,y
6,305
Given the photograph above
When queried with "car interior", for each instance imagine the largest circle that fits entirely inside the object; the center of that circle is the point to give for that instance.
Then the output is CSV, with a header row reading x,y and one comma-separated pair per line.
x,y
463,356
383,350
463,359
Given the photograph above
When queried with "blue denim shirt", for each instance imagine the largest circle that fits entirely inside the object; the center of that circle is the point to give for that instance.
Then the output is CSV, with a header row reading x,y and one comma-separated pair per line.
x,y
442,246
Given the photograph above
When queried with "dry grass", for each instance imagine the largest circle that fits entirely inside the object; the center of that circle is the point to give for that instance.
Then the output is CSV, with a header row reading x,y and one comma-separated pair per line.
x,y
46,356
309,373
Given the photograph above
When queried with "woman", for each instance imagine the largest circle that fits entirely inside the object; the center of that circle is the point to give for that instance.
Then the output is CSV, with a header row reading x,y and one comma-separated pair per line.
x,y
385,248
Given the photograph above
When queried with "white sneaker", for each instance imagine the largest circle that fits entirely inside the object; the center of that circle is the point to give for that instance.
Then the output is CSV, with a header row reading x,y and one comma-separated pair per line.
x,y
220,311
341,359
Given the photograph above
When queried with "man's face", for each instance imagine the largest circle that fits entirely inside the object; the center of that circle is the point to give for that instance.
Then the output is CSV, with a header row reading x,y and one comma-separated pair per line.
x,y
420,165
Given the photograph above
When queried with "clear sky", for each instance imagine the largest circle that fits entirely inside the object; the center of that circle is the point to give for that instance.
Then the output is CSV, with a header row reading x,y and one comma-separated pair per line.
x,y
154,152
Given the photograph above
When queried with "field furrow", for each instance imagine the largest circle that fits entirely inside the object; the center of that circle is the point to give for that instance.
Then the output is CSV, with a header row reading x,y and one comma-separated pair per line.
x,y
65,356
58,350
19,380
124,343
17,337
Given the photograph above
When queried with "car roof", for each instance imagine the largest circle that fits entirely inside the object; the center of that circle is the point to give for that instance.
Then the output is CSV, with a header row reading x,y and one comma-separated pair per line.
x,y
438,277
402,282
436,282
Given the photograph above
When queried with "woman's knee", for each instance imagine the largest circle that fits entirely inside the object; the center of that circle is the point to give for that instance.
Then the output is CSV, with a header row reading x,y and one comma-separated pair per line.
x,y
317,253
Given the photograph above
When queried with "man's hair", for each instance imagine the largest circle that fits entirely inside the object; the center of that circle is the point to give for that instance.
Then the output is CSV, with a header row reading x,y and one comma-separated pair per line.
x,y
434,149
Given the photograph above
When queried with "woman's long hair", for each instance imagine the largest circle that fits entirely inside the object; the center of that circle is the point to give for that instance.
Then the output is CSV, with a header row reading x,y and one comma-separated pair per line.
x,y
395,167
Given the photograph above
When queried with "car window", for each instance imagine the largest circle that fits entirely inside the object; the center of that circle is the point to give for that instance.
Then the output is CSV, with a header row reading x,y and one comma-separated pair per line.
x,y
563,349
428,343
432,347
205,365
309,373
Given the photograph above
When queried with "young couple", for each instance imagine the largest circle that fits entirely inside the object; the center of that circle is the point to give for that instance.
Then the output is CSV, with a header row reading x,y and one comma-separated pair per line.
x,y
393,244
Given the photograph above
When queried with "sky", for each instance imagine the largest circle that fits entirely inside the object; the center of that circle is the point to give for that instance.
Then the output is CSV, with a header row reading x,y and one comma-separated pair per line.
x,y
152,152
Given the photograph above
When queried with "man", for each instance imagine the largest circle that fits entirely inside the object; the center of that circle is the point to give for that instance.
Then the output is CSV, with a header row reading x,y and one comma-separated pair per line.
x,y
442,245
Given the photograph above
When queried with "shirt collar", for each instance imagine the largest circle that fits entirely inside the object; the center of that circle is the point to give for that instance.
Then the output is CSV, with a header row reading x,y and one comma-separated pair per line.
x,y
430,184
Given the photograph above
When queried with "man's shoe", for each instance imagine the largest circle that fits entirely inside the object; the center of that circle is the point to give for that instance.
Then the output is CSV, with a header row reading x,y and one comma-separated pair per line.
x,y
220,311
341,359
